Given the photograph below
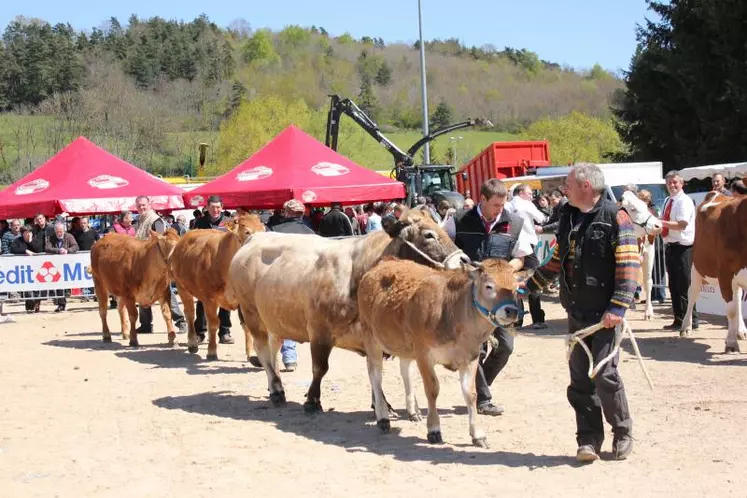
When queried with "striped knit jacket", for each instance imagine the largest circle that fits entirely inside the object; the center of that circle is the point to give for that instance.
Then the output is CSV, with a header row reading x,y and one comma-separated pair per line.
x,y
627,264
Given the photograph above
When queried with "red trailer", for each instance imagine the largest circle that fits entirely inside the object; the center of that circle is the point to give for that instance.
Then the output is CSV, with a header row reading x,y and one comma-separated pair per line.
x,y
502,160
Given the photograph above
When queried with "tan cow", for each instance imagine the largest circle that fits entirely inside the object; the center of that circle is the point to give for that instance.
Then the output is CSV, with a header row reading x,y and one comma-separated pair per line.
x,y
433,317
303,287
200,268
136,272
719,255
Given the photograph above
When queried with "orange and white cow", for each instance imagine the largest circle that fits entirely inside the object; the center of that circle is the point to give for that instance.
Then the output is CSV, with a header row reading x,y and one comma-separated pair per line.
x,y
719,256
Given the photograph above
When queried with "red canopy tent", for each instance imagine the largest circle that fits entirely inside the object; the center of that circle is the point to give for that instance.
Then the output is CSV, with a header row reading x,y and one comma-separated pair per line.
x,y
85,179
295,165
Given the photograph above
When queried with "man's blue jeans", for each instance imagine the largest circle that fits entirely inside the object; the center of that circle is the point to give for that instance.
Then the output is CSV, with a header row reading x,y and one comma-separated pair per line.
x,y
288,352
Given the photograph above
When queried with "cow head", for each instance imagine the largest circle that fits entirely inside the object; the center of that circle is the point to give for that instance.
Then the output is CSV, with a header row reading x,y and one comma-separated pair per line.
x,y
494,287
640,214
244,225
421,239
165,243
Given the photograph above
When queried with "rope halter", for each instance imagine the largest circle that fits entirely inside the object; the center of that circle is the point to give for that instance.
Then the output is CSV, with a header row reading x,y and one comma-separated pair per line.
x,y
492,315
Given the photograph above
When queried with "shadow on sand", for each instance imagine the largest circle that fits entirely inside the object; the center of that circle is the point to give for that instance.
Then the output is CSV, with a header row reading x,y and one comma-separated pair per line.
x,y
156,355
354,431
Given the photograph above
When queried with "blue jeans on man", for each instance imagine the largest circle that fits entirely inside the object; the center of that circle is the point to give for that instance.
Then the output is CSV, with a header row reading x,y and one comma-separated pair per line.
x,y
288,353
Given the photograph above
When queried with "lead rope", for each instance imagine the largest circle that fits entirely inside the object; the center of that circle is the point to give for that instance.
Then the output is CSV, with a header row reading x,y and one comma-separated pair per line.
x,y
431,260
621,330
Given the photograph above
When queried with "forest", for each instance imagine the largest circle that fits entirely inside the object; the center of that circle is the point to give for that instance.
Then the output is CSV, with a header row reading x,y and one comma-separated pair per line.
x,y
150,90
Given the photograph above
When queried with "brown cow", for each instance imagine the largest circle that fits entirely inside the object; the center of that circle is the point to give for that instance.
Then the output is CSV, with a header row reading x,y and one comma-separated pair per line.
x,y
200,267
303,288
434,318
136,272
719,254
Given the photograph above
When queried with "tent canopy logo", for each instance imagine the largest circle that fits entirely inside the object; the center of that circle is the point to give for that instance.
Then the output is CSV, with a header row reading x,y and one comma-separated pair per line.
x,y
106,182
32,187
308,196
256,173
329,169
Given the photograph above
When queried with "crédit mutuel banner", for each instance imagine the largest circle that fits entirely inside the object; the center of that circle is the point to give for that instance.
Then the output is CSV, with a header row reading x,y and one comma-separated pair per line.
x,y
45,272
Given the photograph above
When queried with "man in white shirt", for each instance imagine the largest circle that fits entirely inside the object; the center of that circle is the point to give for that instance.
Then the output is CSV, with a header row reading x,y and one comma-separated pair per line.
x,y
678,232
522,206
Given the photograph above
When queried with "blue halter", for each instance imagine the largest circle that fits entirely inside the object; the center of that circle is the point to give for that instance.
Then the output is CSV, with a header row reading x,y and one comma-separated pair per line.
x,y
490,314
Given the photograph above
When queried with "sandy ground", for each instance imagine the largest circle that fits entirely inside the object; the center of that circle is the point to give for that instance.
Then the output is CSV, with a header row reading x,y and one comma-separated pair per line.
x,y
82,418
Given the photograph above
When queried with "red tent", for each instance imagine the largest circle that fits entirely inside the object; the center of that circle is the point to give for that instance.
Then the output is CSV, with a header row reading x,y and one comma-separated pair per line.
x,y
85,179
295,165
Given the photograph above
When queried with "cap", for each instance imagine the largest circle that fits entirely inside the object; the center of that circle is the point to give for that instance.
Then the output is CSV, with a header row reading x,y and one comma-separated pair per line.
x,y
294,206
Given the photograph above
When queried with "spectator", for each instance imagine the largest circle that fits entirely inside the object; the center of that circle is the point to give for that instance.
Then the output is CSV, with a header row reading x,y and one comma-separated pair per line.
x,y
522,206
678,234
353,221
123,225
374,218
335,223
12,234
196,215
180,226
719,184
362,218
216,219
60,243
738,188
27,245
149,221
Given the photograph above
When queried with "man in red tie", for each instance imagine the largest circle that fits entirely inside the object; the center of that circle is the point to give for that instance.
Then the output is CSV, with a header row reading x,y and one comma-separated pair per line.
x,y
678,233
488,230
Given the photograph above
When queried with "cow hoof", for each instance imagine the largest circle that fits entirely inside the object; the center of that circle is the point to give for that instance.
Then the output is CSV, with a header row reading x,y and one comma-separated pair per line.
x,y
107,338
415,417
732,349
172,338
384,425
212,357
434,437
312,407
192,349
481,442
134,343
685,333
278,399
741,336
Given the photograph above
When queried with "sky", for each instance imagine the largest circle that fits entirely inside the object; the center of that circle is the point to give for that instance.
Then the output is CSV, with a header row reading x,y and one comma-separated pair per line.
x,y
576,33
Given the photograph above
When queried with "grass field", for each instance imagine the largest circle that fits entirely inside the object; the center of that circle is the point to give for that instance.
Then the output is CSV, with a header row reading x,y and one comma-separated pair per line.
x,y
22,131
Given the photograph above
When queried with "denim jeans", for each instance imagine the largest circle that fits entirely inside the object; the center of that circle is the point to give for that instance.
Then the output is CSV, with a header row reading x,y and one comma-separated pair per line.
x,y
288,352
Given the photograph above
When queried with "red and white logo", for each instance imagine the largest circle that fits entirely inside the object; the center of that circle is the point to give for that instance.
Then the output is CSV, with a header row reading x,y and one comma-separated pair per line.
x,y
329,169
308,196
256,173
106,182
197,200
48,273
32,187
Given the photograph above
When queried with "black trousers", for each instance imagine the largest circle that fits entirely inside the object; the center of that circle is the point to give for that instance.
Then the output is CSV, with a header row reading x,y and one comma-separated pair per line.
x,y
605,394
679,261
531,262
201,321
490,365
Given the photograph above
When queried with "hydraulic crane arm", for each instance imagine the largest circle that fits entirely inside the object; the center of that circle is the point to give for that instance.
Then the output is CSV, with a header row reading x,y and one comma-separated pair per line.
x,y
446,129
339,106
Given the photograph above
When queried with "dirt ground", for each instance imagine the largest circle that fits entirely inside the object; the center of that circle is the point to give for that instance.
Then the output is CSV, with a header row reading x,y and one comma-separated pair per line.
x,y
86,419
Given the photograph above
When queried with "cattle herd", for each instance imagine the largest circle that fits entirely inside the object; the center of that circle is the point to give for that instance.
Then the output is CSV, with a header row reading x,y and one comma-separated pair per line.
x,y
407,291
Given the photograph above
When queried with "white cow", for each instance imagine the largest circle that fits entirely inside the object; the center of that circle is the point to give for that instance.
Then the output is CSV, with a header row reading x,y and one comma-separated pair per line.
x,y
647,226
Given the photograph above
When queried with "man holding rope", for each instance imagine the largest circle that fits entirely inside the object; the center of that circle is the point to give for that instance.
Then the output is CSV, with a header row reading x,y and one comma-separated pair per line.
x,y
596,258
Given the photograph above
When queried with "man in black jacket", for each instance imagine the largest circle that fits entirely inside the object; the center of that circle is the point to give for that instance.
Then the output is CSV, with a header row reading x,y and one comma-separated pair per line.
x,y
335,223
214,219
490,231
